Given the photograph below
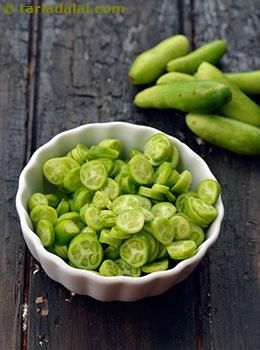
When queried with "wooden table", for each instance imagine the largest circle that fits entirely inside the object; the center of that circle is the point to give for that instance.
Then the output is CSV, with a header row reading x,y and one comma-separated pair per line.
x,y
58,72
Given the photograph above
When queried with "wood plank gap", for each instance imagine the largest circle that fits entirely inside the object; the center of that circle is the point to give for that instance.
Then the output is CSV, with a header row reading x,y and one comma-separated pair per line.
x,y
30,130
192,23
198,308
208,298
181,16
198,317
36,87
25,304
32,79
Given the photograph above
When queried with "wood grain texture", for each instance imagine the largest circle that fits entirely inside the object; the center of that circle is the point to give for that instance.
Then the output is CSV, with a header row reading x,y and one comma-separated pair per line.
x,y
83,78
81,66
13,119
230,281
84,65
163,322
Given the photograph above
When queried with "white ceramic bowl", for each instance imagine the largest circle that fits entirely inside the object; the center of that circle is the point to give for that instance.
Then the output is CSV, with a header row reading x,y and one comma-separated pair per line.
x,y
86,282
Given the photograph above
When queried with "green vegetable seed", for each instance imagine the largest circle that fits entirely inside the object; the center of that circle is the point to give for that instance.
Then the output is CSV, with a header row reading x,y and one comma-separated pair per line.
x,y
187,96
149,65
229,134
211,52
241,107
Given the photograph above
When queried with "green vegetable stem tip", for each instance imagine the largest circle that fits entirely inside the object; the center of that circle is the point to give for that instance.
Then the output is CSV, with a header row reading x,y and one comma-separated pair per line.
x,y
149,65
211,52
229,134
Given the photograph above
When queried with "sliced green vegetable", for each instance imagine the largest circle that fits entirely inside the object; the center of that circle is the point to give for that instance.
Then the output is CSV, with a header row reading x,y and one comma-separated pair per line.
x,y
85,252
45,231
109,268
181,249
37,199
43,212
135,250
155,266
93,175
130,221
65,231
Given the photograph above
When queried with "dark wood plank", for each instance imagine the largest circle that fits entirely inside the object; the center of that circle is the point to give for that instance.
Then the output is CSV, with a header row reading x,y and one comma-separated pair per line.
x,y
229,279
83,78
85,63
13,119
59,320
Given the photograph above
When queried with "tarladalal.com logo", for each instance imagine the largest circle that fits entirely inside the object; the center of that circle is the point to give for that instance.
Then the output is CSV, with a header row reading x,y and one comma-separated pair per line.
x,y
63,9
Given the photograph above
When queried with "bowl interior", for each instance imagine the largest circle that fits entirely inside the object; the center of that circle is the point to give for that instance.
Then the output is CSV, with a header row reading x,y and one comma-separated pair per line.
x,y
133,136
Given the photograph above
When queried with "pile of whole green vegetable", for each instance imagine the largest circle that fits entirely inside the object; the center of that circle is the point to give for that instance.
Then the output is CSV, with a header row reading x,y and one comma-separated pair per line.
x,y
120,216
235,124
